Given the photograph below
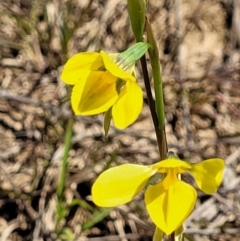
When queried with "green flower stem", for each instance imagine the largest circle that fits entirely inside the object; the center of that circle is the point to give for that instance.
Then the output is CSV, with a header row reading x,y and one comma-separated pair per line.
x,y
67,147
158,235
137,11
157,77
137,14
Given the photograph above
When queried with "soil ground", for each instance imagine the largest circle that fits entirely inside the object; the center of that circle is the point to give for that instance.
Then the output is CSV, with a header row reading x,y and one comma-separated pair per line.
x,y
199,43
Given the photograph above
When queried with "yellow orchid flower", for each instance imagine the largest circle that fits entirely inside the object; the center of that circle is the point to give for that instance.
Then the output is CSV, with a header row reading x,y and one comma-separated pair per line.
x,y
102,81
170,201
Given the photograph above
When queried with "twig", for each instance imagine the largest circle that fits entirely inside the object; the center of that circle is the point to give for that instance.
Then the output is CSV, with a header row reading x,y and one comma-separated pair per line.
x,y
5,233
229,206
116,237
26,100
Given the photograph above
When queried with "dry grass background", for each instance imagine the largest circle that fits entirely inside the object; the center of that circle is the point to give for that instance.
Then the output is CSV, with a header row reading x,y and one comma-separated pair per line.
x,y
199,42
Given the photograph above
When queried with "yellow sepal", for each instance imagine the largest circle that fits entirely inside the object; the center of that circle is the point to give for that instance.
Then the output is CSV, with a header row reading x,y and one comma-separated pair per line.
x,y
94,94
74,68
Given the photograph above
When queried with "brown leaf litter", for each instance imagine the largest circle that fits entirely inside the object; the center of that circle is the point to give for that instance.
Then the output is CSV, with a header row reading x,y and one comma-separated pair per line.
x,y
199,44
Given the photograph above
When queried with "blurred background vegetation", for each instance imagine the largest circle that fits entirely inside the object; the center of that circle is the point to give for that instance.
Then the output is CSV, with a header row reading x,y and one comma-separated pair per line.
x,y
199,42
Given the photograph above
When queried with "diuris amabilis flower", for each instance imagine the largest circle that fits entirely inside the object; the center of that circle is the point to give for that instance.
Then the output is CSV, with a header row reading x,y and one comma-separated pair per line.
x,y
102,81
170,201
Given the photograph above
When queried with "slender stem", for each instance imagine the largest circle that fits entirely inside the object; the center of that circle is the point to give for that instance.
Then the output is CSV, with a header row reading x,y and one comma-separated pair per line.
x,y
158,235
151,102
156,109
157,78
159,108
67,146
61,209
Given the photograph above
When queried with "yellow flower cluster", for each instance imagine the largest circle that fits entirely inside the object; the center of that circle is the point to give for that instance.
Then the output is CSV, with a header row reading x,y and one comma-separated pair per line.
x,y
106,83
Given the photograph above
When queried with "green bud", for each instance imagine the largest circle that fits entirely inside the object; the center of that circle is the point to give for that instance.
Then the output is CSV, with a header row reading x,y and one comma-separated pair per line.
x,y
127,59
137,12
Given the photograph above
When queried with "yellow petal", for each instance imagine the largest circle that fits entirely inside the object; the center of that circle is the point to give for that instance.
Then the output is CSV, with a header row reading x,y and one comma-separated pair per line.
x,y
208,174
119,185
94,94
128,106
172,163
73,69
169,208
114,69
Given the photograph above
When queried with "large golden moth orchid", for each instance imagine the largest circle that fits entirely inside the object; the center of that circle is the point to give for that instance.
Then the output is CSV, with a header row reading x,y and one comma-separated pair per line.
x,y
170,201
103,82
